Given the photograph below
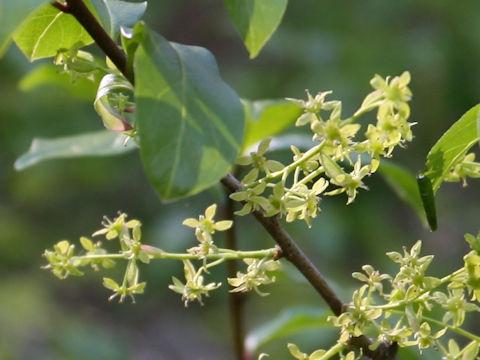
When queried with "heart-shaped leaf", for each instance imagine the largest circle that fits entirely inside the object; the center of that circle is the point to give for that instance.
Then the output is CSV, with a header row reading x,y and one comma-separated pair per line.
x,y
256,20
190,123
47,30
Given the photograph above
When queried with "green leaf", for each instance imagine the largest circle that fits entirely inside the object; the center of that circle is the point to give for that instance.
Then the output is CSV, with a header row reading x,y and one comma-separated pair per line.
x,y
99,143
49,75
267,118
404,184
110,87
289,322
48,30
428,200
453,146
190,123
12,14
114,14
256,20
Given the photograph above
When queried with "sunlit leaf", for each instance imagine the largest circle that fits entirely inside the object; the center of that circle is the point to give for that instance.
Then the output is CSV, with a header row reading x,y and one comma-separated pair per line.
x,y
404,184
267,118
453,146
12,14
116,13
190,123
291,321
256,20
99,143
48,30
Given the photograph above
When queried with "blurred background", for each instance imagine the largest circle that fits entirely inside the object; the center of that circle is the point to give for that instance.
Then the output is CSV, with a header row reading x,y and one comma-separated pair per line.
x,y
320,45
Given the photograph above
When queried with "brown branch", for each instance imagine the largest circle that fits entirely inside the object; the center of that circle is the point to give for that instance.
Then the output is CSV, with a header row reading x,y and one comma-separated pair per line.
x,y
82,14
236,301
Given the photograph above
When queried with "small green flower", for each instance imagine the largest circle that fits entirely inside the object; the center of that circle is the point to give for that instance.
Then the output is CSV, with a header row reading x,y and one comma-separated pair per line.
x,y
194,287
253,200
62,261
119,227
313,105
303,203
256,275
259,162
349,183
205,226
123,290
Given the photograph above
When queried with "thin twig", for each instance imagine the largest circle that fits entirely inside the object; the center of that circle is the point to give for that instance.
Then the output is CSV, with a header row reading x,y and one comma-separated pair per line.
x,y
236,301
61,6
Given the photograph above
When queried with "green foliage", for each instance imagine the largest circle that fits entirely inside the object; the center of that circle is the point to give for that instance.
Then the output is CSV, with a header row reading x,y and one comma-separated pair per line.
x,y
288,322
447,160
266,118
47,30
190,122
256,20
98,143
404,185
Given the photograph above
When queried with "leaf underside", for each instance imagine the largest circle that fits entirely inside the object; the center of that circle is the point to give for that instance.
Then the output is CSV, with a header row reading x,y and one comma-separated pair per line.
x,y
98,143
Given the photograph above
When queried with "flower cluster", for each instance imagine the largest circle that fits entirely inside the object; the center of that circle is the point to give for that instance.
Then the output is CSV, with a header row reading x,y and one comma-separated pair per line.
x,y
63,262
399,314
295,190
